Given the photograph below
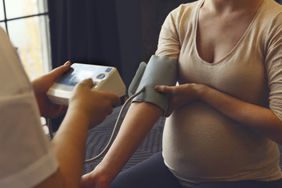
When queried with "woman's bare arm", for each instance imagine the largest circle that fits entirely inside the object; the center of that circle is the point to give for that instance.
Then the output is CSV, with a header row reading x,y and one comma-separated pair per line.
x,y
138,121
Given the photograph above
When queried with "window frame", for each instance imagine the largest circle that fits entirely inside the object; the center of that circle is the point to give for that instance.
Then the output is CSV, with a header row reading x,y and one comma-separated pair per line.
x,y
45,32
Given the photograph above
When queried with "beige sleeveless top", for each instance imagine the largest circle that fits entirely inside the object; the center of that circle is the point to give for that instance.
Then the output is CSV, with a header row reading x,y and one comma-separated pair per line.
x,y
199,143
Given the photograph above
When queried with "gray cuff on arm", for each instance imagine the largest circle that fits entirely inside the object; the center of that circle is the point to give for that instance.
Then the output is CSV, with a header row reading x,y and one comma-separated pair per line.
x,y
158,71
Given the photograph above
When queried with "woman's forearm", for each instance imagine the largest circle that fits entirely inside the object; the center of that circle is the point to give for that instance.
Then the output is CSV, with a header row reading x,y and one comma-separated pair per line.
x,y
137,123
254,116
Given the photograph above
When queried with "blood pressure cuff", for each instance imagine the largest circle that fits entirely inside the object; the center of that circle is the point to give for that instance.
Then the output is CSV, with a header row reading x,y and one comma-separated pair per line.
x,y
158,71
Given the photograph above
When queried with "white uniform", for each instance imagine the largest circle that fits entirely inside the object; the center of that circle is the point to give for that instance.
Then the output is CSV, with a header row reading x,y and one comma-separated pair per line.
x,y
25,155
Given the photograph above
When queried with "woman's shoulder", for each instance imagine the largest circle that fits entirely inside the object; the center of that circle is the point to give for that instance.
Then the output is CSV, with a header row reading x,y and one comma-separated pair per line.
x,y
269,19
184,9
271,10
183,13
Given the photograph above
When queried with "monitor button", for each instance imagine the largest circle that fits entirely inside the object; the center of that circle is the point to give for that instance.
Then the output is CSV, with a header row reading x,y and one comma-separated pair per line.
x,y
101,76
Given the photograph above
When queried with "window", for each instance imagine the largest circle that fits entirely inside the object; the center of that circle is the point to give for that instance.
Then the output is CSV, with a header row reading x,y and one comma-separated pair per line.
x,y
26,22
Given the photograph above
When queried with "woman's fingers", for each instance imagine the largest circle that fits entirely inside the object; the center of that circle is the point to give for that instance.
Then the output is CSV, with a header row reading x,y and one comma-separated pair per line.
x,y
166,89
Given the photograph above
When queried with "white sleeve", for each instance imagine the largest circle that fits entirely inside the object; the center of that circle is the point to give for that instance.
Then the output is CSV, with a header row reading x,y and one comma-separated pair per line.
x,y
26,158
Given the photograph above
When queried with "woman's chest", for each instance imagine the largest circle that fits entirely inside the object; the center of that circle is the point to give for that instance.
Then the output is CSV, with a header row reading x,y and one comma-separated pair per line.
x,y
241,74
217,36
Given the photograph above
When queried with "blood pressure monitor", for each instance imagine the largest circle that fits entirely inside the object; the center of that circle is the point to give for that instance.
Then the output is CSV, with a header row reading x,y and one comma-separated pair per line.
x,y
105,78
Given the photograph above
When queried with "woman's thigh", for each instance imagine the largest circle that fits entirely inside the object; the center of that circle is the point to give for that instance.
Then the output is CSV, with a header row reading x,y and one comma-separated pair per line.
x,y
151,173
242,184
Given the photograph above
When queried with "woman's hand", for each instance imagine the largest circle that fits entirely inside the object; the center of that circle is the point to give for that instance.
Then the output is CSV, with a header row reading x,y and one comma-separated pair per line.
x,y
95,180
41,86
180,94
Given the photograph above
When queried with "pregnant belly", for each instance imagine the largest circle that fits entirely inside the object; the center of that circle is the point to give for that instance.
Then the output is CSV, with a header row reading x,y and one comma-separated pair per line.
x,y
201,143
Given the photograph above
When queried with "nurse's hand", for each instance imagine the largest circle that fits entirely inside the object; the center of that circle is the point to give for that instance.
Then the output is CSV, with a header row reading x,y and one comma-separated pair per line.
x,y
41,86
94,105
